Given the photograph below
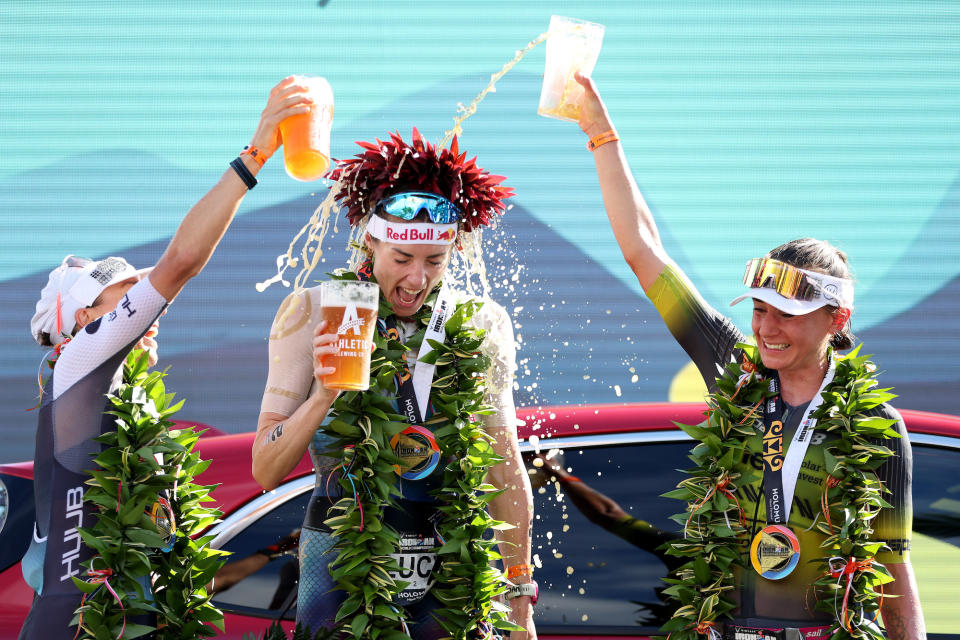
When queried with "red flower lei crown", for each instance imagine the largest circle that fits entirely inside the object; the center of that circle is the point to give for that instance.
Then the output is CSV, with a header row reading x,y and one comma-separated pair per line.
x,y
394,166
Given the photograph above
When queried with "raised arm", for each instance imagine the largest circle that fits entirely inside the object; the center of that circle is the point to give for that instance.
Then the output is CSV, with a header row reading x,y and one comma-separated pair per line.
x,y
631,220
206,222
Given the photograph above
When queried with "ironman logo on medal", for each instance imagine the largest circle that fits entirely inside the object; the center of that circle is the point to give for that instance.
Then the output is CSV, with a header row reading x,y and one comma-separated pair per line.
x,y
775,552
418,452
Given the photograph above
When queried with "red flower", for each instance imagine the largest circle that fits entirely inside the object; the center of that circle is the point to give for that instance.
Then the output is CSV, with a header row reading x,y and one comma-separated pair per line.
x,y
394,166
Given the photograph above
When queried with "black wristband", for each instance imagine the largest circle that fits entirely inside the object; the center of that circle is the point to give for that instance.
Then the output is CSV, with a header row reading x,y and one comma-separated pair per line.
x,y
244,173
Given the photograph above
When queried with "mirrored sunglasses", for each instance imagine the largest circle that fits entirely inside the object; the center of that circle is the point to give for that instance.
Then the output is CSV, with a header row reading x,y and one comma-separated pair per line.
x,y
787,280
408,206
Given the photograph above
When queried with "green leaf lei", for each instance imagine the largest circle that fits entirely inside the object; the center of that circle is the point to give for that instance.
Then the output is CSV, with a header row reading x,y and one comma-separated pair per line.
x,y
363,424
300,632
141,460
716,537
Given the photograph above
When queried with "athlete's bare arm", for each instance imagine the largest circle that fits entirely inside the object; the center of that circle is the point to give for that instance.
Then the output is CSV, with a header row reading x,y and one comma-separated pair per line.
x,y
902,616
515,505
281,440
633,224
206,222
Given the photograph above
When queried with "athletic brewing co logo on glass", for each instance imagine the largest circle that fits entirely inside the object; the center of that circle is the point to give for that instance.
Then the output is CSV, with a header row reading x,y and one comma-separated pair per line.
x,y
351,320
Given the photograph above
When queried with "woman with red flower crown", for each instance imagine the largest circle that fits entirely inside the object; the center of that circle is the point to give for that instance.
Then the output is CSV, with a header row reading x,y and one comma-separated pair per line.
x,y
411,203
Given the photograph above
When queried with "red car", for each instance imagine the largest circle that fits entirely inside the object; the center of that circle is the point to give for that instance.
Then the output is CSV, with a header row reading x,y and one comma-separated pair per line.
x,y
598,577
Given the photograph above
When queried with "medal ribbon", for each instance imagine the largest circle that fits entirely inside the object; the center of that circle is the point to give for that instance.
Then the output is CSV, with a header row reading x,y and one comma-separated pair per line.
x,y
423,374
780,472
414,392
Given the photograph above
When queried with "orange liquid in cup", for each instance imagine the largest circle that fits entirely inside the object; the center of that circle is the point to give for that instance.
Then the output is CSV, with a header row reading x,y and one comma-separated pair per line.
x,y
354,341
306,136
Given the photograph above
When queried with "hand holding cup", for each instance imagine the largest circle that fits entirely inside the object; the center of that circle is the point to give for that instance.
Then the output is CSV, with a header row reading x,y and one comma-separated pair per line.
x,y
572,46
288,98
594,118
324,350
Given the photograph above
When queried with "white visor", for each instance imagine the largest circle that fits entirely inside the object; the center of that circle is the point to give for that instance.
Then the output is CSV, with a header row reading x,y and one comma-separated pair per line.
x,y
830,291
412,232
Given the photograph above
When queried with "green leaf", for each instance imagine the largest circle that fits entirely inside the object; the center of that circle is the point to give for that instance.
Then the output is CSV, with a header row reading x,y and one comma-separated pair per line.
x,y
506,625
148,538
359,624
702,570
680,494
674,624
134,630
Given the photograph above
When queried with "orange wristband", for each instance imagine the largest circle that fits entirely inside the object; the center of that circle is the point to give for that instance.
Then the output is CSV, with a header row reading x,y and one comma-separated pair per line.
x,y
258,156
519,570
601,139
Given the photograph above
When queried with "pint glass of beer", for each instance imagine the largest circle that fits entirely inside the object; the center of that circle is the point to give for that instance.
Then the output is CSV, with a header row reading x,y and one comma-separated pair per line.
x,y
306,136
572,45
350,309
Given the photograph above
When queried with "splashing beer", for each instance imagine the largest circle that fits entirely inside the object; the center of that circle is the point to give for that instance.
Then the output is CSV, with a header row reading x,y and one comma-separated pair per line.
x,y
350,309
572,45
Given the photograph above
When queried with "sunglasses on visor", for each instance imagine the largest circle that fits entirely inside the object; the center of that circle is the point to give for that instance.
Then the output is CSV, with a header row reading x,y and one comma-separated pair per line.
x,y
77,262
789,281
408,206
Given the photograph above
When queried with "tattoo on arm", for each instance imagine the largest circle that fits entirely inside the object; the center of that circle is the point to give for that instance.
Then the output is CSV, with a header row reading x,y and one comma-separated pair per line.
x,y
895,625
274,434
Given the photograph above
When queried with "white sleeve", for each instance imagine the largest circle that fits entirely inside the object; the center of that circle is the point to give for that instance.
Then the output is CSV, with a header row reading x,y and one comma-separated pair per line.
x,y
120,329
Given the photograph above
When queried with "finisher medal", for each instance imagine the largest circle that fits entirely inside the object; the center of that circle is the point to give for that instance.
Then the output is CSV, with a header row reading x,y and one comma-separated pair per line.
x,y
775,552
418,452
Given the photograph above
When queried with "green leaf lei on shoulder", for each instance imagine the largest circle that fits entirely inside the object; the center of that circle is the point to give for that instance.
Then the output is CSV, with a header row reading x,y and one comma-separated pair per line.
x,y
715,533
144,468
363,424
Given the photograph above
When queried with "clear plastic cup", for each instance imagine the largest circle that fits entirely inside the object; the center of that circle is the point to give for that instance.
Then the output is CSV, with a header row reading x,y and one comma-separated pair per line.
x,y
572,45
350,309
306,136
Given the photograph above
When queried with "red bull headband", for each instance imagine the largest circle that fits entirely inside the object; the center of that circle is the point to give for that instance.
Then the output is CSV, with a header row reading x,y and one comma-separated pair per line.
x,y
412,232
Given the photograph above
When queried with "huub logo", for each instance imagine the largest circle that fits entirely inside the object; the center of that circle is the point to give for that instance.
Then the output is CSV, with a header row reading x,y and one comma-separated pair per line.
x,y
351,320
74,509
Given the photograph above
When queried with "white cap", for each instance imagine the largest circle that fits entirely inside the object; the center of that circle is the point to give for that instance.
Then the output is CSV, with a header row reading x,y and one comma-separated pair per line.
x,y
77,282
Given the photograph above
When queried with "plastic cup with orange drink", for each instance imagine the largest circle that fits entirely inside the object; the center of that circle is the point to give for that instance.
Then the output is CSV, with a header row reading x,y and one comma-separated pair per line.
x,y
306,136
349,308
572,45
